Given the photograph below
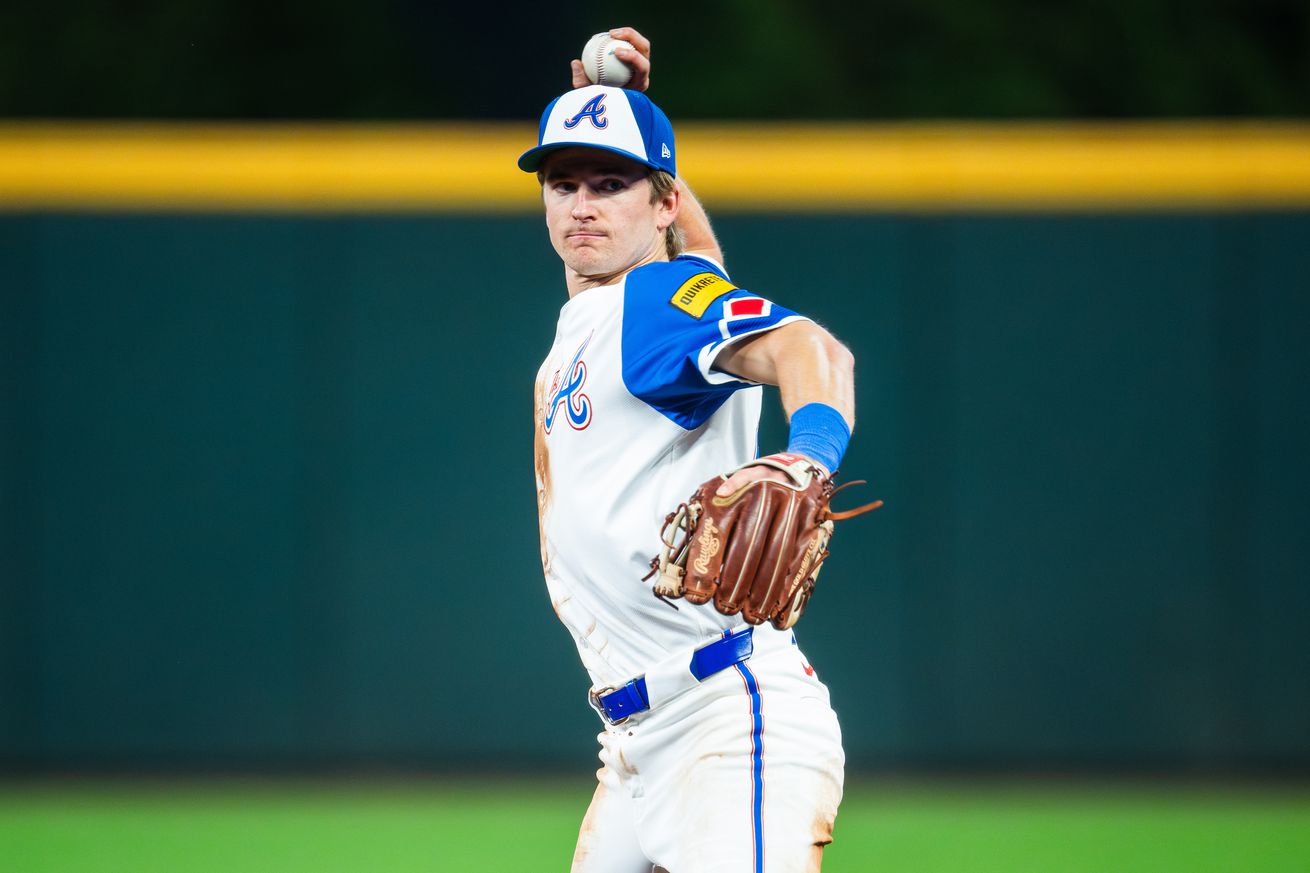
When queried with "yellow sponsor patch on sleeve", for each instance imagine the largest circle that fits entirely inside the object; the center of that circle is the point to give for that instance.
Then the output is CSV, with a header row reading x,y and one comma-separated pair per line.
x,y
696,294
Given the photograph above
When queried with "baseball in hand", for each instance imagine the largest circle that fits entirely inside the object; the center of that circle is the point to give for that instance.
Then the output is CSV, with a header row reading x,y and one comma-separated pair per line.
x,y
599,63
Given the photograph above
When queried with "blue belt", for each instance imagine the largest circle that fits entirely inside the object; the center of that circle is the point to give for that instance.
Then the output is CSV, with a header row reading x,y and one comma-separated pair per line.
x,y
615,705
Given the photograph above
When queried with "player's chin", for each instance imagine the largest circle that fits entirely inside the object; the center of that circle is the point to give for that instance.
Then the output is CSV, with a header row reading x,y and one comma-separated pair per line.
x,y
586,261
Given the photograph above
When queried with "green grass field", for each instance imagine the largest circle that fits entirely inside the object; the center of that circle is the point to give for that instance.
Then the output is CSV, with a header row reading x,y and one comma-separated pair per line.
x,y
290,827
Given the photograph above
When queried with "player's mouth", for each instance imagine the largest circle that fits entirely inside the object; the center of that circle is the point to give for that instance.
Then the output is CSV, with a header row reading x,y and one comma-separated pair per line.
x,y
581,235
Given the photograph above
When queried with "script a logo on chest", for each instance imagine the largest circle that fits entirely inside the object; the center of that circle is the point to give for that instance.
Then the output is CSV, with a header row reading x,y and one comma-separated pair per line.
x,y
565,396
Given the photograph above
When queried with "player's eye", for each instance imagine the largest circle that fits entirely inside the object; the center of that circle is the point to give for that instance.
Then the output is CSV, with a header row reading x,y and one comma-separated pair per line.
x,y
611,186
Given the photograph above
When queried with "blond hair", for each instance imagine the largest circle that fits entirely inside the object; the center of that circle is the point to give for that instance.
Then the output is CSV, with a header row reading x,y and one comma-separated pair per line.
x,y
661,183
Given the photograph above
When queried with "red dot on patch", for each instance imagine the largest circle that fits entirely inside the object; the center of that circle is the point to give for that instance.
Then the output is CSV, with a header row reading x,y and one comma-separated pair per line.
x,y
809,671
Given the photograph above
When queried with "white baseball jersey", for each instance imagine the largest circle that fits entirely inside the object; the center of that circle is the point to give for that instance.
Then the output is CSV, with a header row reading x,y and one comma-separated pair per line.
x,y
630,418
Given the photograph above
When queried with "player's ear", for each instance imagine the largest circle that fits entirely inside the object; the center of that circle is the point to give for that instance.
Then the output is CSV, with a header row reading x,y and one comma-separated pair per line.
x,y
666,211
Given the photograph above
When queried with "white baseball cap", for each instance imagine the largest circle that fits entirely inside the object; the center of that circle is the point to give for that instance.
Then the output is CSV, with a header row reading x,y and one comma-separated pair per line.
x,y
613,119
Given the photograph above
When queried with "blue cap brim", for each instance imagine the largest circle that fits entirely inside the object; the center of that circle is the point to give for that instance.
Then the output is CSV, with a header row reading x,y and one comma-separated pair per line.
x,y
530,161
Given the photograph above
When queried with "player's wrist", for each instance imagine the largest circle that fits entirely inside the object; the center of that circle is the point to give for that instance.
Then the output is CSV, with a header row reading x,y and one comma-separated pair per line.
x,y
819,432
823,468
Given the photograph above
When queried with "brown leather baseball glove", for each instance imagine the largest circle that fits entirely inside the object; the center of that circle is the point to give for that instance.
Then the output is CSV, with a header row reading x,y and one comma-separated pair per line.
x,y
757,551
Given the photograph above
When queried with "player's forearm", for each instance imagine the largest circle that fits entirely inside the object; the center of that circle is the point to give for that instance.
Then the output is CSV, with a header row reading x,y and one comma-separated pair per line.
x,y
815,368
695,224
806,362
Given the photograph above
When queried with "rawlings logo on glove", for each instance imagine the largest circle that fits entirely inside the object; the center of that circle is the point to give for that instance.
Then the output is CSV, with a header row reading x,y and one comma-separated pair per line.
x,y
757,551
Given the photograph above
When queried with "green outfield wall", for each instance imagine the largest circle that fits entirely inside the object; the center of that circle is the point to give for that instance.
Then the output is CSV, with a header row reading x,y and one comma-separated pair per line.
x,y
266,490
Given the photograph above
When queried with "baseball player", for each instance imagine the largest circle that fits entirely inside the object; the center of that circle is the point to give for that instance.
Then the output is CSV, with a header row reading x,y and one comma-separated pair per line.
x,y
720,750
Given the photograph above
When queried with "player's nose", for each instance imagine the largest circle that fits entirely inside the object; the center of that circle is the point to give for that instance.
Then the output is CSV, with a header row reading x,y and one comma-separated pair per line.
x,y
582,203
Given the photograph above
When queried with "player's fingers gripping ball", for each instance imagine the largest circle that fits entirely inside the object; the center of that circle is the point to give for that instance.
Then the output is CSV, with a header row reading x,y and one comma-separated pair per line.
x,y
601,65
756,551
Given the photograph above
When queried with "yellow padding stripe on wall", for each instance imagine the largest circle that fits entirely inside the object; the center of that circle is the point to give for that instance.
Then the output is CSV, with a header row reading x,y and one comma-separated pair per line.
x,y
734,167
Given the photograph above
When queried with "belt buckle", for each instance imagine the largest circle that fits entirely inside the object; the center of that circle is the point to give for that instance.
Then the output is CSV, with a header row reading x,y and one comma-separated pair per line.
x,y
594,696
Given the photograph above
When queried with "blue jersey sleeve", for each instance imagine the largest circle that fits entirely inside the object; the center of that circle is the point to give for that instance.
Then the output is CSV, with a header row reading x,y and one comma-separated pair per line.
x,y
677,317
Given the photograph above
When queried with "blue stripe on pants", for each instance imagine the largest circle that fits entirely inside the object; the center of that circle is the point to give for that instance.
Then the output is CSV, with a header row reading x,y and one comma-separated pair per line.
x,y
757,763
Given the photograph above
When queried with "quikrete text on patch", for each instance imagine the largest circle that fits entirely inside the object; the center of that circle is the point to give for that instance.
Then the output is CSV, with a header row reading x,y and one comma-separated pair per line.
x,y
696,294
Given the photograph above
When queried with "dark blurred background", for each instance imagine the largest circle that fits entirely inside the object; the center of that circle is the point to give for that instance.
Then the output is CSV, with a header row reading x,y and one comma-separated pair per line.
x,y
266,497
898,59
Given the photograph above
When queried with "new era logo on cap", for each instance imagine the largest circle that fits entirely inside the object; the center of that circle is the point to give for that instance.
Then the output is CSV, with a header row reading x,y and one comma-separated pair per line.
x,y
613,119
